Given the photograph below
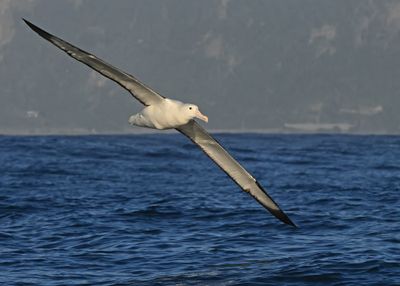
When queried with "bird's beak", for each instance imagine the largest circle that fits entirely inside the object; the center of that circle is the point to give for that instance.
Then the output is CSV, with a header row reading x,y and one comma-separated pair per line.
x,y
201,116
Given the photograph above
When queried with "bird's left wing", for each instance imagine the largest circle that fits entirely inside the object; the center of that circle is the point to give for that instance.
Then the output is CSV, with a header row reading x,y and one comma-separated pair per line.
x,y
140,91
232,168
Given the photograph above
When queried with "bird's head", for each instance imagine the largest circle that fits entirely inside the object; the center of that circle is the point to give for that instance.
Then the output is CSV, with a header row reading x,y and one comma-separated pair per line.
x,y
191,111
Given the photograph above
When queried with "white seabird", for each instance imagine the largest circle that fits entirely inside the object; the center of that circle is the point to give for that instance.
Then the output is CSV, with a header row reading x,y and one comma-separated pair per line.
x,y
164,113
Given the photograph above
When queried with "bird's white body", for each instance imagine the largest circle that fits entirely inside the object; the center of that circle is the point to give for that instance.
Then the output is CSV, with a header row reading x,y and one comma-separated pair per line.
x,y
167,114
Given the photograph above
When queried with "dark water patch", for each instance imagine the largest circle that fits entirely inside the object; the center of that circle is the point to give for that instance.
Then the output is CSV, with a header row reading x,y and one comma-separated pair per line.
x,y
384,167
151,212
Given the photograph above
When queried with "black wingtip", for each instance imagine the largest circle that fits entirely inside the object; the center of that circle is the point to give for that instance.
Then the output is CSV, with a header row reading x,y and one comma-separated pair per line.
x,y
283,217
277,212
35,28
29,23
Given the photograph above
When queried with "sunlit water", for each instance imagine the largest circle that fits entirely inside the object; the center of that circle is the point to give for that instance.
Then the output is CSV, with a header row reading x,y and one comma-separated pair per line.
x,y
154,210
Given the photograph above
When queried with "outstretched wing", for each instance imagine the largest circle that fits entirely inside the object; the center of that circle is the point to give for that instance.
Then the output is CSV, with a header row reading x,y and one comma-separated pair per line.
x,y
232,168
141,92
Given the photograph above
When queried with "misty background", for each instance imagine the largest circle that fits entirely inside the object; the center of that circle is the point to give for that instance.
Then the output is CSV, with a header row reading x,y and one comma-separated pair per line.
x,y
274,66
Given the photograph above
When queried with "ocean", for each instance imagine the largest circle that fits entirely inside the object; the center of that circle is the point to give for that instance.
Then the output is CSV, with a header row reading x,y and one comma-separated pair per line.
x,y
154,210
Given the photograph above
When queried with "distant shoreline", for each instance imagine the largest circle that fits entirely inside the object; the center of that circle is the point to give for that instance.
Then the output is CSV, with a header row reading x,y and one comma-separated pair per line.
x,y
143,131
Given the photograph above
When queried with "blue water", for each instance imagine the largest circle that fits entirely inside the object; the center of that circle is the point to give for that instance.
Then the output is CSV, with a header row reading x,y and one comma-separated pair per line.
x,y
153,210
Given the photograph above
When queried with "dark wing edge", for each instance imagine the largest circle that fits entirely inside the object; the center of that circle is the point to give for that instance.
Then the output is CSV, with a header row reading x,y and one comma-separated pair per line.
x,y
278,213
139,90
232,168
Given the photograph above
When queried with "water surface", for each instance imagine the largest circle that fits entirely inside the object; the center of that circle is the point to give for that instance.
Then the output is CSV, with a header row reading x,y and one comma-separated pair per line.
x,y
153,210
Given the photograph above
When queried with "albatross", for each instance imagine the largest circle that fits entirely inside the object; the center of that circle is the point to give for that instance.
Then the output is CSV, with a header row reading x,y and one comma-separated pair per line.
x,y
165,113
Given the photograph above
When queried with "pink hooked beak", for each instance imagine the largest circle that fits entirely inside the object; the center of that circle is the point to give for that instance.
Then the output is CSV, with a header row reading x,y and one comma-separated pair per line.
x,y
201,116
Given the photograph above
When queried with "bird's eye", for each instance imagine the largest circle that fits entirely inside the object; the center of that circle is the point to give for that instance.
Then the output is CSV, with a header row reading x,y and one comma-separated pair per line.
x,y
190,108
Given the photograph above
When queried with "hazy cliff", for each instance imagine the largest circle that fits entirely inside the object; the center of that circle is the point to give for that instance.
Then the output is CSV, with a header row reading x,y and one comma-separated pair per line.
x,y
247,64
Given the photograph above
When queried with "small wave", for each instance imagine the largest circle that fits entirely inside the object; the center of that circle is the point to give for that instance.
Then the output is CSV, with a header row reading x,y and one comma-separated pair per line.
x,y
387,168
18,210
152,213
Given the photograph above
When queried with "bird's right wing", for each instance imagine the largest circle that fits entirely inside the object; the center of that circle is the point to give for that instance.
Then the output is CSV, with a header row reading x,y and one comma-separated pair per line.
x,y
140,91
232,168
